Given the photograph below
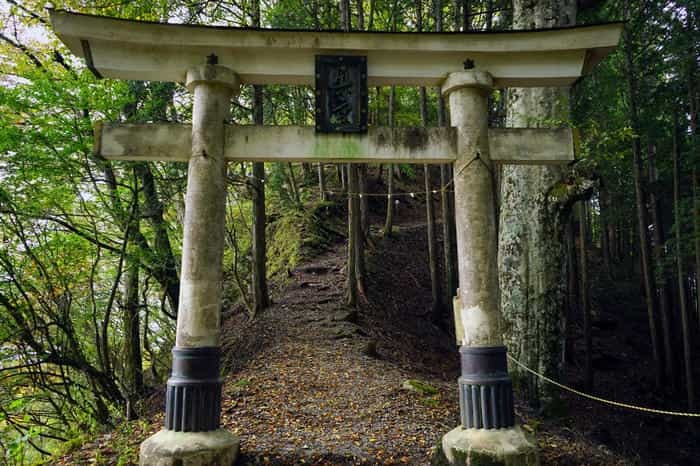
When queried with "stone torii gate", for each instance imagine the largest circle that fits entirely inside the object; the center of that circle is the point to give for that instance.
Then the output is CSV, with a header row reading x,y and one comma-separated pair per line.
x,y
213,62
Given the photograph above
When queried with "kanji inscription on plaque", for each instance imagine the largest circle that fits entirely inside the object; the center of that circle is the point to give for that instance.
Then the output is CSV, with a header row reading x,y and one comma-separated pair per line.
x,y
341,94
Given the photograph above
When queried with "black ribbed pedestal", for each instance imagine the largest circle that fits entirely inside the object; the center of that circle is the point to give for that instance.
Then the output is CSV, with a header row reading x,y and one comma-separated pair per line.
x,y
485,389
193,393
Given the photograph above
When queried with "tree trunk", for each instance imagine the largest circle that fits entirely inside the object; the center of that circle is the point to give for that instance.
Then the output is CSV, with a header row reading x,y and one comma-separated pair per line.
x,y
360,15
642,222
585,296
605,232
342,178
321,182
446,199
661,286
696,191
457,16
354,170
305,172
165,268
436,294
380,173
489,15
364,201
696,230
353,235
133,366
466,14
532,258
344,6
291,177
572,292
685,324
389,221
316,16
261,297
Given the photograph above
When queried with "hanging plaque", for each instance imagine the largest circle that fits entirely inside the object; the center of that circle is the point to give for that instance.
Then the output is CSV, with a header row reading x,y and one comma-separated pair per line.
x,y
341,94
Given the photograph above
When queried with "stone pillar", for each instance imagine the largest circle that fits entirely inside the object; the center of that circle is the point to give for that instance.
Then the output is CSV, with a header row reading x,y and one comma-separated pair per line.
x,y
192,436
487,434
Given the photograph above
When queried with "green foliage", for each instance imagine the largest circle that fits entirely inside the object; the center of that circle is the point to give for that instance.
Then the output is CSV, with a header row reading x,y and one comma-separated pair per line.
x,y
296,235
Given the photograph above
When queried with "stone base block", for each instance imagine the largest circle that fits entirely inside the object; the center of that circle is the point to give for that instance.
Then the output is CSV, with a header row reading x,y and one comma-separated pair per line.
x,y
170,448
489,447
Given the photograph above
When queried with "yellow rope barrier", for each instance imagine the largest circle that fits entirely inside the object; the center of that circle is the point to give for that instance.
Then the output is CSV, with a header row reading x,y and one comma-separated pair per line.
x,y
599,399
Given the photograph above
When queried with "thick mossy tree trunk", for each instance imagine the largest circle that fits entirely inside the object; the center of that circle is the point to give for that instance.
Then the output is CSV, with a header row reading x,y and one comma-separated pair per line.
x,y
532,256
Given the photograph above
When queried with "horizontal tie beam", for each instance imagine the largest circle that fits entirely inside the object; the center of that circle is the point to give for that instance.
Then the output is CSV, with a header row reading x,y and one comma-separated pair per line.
x,y
173,142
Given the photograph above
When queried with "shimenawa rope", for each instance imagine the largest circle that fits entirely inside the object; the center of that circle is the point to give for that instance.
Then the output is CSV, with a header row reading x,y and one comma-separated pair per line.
x,y
602,400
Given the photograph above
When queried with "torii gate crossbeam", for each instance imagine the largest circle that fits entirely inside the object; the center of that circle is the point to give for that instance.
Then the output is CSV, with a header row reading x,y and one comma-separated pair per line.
x,y
172,143
125,49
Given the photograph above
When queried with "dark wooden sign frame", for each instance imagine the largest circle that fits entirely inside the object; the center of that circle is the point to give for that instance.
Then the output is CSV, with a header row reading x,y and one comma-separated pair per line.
x,y
341,94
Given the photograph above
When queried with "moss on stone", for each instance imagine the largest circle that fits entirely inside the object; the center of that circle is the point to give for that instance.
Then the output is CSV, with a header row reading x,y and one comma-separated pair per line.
x,y
438,457
483,459
419,386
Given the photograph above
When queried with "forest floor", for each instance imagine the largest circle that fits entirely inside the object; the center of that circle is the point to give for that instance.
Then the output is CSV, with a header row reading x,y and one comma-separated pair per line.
x,y
311,381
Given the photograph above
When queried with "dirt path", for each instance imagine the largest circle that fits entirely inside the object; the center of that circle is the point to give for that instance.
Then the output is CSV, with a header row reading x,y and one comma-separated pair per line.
x,y
308,389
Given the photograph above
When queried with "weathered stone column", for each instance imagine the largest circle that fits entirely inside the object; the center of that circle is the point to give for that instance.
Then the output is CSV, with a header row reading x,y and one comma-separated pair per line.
x,y
192,436
487,434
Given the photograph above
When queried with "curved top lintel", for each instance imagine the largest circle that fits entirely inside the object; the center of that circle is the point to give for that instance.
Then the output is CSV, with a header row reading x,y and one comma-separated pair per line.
x,y
127,49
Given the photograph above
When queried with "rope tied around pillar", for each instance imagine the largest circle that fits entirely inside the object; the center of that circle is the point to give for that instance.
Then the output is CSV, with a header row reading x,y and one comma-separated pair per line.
x,y
465,166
